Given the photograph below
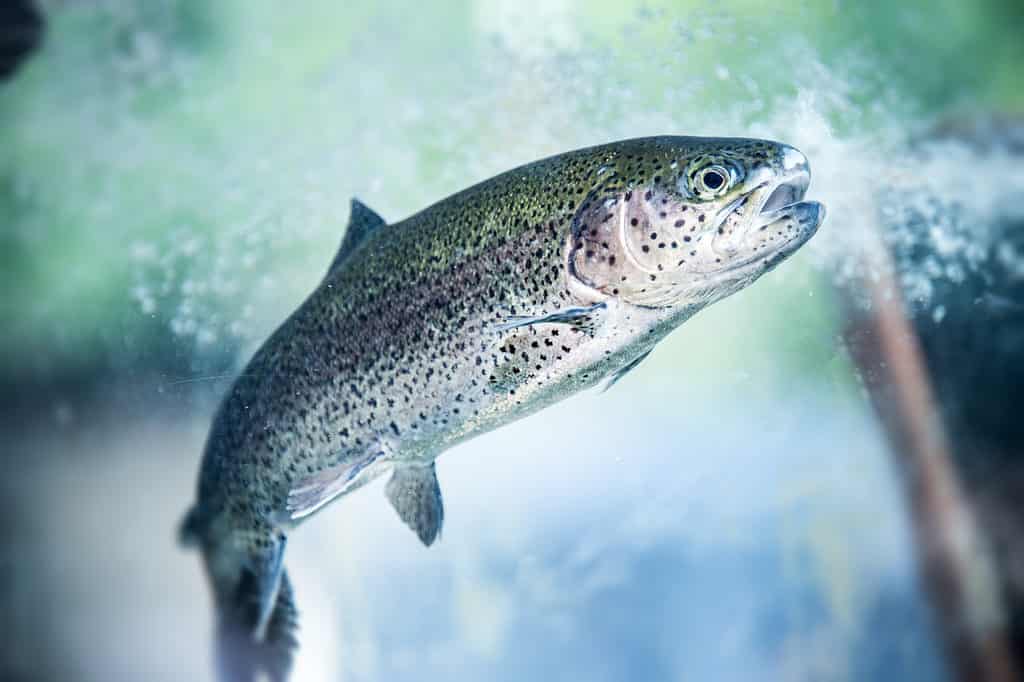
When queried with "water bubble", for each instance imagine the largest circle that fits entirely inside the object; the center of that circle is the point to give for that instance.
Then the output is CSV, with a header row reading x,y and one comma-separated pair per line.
x,y
233,228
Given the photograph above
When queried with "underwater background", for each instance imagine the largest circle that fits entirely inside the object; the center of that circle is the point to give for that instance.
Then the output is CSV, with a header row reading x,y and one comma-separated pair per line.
x,y
175,177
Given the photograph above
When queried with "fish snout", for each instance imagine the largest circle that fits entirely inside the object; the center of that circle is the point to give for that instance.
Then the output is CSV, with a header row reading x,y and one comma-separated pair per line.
x,y
794,161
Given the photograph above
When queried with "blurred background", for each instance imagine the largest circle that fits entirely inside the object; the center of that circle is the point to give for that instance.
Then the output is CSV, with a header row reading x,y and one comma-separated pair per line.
x,y
816,479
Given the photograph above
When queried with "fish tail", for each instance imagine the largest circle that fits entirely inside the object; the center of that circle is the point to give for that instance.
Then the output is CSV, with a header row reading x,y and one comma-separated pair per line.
x,y
257,622
241,653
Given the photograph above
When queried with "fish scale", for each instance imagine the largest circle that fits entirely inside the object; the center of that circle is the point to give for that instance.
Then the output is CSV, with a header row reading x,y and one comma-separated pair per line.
x,y
474,312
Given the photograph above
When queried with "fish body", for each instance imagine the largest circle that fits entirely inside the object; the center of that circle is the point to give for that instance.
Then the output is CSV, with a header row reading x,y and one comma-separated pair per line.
x,y
474,312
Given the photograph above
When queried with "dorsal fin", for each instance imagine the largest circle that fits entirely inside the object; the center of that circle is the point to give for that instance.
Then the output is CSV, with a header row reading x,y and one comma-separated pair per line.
x,y
361,222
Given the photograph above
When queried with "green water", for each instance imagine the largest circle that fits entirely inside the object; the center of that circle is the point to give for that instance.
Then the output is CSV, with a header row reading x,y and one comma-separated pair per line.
x,y
175,175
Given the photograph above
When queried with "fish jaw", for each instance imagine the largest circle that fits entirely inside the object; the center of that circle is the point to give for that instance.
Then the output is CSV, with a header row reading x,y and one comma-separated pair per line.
x,y
766,226
777,235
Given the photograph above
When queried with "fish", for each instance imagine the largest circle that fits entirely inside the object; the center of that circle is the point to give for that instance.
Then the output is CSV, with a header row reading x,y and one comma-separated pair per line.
x,y
504,298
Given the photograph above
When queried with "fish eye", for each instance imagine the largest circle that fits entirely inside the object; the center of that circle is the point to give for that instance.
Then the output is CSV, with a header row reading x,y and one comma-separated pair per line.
x,y
712,179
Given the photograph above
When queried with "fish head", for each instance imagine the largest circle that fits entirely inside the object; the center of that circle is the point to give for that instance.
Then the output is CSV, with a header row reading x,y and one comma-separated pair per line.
x,y
683,222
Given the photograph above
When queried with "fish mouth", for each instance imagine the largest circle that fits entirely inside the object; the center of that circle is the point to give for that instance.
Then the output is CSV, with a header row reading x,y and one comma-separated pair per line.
x,y
771,198
778,221
784,201
787,192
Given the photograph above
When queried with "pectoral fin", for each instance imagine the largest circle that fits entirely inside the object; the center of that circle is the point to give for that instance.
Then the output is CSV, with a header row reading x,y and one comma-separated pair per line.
x,y
416,496
311,493
585,318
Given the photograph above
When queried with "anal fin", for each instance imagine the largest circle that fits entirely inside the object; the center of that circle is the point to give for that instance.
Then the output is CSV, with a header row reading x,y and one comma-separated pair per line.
x,y
416,495
268,583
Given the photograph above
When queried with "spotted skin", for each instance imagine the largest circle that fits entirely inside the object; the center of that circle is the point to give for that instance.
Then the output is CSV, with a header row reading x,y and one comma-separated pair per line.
x,y
405,349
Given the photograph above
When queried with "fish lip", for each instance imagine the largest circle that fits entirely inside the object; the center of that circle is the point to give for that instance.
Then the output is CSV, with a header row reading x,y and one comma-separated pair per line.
x,y
787,248
770,200
773,200
768,197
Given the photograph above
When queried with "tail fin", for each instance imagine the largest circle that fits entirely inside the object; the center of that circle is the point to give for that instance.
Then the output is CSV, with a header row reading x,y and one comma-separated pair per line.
x,y
256,616
241,655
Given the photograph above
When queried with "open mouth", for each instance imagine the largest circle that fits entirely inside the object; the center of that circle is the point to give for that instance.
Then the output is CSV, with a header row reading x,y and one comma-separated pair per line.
x,y
778,221
785,201
786,193
768,202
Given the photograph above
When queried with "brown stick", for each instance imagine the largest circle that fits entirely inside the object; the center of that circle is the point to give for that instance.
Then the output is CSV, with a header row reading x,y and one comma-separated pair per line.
x,y
954,562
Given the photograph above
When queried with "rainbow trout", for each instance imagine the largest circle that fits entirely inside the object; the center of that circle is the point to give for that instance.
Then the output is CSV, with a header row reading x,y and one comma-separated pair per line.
x,y
483,308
